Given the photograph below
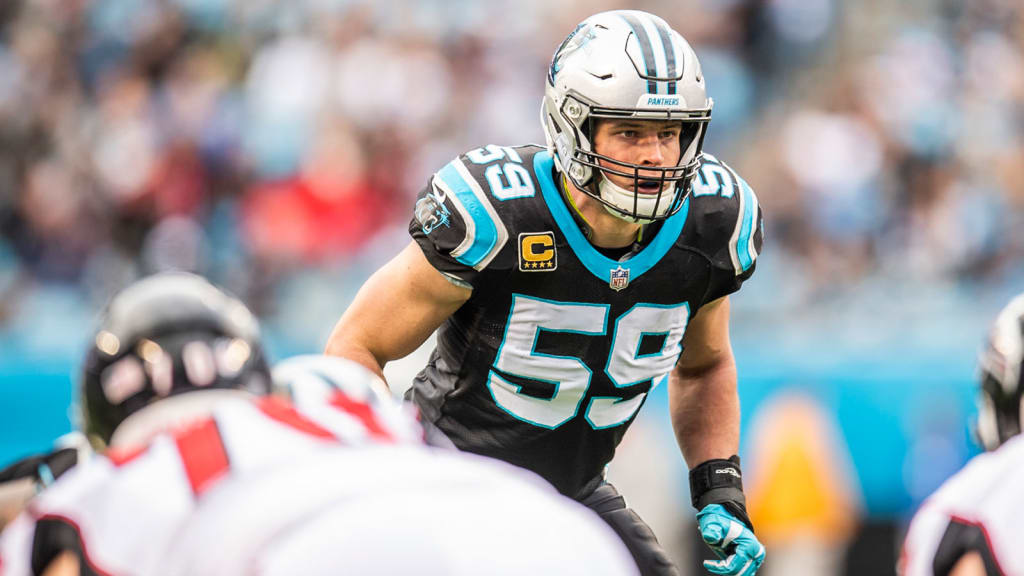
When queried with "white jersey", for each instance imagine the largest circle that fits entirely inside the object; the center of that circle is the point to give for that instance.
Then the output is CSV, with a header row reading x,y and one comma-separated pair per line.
x,y
259,483
123,507
395,510
980,507
16,546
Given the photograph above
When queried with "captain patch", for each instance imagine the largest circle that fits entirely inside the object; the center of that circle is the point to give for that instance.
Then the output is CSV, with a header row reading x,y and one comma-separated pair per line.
x,y
537,252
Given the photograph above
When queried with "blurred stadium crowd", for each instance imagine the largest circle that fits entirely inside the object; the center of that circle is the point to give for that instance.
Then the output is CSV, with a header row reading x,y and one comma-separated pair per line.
x,y
276,146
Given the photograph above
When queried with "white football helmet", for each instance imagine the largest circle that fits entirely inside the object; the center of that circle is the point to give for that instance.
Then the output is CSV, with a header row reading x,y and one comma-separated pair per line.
x,y
1001,367
347,398
311,378
625,64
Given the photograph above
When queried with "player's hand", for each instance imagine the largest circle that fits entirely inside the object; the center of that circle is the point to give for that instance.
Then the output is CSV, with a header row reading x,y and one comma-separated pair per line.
x,y
739,552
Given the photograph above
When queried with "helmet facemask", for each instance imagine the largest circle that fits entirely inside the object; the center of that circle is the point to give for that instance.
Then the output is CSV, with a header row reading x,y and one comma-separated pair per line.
x,y
167,334
654,192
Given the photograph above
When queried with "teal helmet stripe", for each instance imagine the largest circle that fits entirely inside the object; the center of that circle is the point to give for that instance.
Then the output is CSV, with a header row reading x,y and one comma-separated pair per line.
x,y
670,53
646,49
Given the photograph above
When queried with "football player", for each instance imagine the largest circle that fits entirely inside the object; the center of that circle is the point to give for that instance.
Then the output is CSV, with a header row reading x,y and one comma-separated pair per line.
x,y
169,348
326,484
969,526
380,503
565,281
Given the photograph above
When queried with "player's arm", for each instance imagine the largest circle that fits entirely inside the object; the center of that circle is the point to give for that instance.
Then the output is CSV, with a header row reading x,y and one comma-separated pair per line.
x,y
14,495
22,480
970,564
65,564
703,400
395,311
705,411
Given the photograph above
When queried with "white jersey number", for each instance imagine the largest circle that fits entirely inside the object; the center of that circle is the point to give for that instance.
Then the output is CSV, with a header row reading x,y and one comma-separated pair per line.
x,y
509,180
568,376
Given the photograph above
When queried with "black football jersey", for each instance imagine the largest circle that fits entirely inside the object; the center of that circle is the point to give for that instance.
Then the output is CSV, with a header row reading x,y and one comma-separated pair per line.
x,y
548,362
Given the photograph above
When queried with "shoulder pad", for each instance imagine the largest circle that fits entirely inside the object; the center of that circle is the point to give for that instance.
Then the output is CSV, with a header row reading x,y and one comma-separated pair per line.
x,y
727,216
459,216
456,214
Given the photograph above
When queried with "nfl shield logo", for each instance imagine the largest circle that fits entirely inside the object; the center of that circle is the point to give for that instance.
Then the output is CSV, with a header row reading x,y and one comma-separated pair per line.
x,y
619,278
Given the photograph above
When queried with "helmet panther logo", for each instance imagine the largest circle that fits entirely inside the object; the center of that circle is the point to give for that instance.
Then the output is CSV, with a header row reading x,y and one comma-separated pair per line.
x,y
576,39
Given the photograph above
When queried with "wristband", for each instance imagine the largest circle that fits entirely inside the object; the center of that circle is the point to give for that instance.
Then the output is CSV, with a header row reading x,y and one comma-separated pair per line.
x,y
720,481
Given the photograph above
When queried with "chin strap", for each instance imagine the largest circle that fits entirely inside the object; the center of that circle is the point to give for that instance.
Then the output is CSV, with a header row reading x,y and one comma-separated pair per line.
x,y
613,190
583,220
605,183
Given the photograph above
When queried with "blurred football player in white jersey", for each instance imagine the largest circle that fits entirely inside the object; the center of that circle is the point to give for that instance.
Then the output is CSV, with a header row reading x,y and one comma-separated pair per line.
x,y
184,469
169,348
972,525
380,503
138,356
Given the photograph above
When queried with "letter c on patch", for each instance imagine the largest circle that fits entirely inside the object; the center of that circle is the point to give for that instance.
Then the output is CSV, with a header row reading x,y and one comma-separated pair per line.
x,y
538,248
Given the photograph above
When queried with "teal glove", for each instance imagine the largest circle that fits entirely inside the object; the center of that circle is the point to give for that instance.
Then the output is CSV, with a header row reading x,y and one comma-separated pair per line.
x,y
738,549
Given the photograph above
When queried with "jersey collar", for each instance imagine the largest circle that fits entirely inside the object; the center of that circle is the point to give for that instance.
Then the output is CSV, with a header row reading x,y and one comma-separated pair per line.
x,y
598,264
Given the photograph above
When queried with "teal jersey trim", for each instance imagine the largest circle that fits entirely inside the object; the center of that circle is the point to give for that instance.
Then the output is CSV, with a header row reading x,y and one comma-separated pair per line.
x,y
598,264
743,251
484,232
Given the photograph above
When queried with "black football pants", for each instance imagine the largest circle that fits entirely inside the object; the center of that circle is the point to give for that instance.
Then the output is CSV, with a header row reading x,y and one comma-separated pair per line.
x,y
650,557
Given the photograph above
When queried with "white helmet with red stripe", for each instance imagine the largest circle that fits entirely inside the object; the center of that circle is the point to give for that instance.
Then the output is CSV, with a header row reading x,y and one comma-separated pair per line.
x,y
346,398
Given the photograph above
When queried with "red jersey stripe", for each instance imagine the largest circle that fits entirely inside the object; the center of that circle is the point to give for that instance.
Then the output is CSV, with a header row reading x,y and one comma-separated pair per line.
x,y
279,410
203,454
363,412
122,455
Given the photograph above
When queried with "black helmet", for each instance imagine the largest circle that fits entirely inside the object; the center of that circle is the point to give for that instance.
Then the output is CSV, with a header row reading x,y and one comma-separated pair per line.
x,y
1001,368
164,335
